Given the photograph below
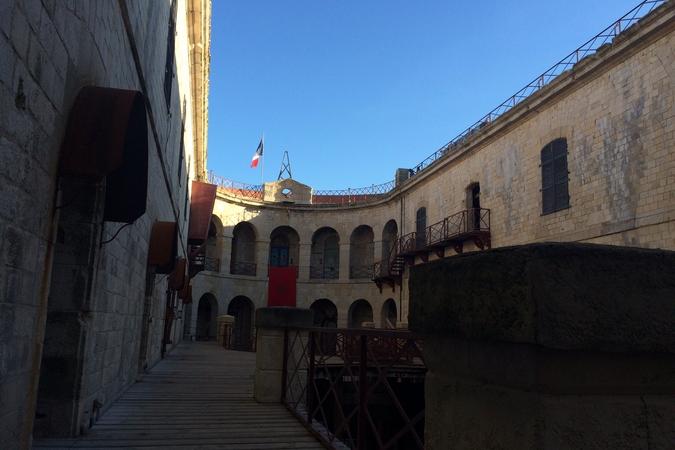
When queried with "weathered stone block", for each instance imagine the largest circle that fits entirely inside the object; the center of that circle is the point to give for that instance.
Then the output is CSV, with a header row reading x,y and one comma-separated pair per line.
x,y
548,346
564,296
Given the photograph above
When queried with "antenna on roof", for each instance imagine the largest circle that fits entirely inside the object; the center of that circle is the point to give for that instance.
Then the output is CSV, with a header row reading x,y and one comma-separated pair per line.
x,y
285,167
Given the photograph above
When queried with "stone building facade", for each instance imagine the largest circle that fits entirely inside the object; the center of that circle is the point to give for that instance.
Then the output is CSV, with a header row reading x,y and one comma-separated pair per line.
x,y
588,158
102,131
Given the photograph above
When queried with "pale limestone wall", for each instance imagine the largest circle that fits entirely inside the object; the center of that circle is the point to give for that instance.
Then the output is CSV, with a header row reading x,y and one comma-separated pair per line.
x,y
49,50
615,110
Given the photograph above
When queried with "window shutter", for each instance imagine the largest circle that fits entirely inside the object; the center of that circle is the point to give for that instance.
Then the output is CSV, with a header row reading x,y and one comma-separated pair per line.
x,y
554,179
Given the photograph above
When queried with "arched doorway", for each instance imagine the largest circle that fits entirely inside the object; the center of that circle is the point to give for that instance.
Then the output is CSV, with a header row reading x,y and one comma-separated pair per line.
x,y
359,312
389,315
325,315
421,228
284,247
207,311
241,308
389,236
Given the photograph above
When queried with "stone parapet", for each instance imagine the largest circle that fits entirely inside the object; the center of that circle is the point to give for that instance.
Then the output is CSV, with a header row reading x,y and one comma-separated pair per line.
x,y
548,346
270,324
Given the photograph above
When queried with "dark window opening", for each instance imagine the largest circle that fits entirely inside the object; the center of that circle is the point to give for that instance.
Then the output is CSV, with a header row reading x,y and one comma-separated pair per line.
x,y
554,177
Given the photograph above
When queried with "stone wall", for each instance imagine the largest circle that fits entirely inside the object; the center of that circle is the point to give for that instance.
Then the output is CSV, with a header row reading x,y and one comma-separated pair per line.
x,y
548,346
615,110
49,51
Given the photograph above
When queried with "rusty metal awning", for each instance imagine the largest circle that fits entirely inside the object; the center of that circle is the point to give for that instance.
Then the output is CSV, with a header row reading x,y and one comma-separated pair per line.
x,y
107,136
202,199
163,247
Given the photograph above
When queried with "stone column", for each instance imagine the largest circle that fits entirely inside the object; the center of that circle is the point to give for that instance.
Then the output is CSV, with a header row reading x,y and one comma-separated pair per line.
x,y
548,346
270,324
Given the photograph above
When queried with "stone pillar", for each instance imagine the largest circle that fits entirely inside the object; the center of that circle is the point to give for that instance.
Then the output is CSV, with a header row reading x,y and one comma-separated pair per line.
x,y
262,257
225,324
270,324
548,346
305,258
344,258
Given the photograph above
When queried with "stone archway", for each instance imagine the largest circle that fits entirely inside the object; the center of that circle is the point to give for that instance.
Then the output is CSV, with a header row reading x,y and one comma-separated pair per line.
x,y
207,311
359,312
389,315
242,309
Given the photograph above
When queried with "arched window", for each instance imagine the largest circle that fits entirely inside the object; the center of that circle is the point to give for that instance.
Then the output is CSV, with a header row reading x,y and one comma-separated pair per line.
x,y
284,247
359,312
242,309
389,315
325,258
421,228
213,245
361,252
554,177
242,261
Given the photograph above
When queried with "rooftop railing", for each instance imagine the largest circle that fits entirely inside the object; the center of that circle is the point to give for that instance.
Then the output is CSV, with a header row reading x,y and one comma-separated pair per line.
x,y
347,197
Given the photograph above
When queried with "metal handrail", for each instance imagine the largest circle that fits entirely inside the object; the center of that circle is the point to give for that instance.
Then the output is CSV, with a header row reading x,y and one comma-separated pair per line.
x,y
243,268
332,380
236,188
588,48
462,224
348,197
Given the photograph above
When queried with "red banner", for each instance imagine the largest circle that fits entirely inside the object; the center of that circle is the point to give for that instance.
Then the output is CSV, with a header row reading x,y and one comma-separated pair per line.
x,y
282,286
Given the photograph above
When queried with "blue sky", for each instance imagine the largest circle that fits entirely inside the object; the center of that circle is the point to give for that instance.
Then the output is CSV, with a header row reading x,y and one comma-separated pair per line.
x,y
355,89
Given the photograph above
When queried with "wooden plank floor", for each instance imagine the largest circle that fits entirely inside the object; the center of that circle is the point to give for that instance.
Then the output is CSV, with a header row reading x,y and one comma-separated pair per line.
x,y
199,397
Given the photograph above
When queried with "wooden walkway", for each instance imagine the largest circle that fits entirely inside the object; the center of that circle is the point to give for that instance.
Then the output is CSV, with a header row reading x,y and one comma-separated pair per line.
x,y
199,397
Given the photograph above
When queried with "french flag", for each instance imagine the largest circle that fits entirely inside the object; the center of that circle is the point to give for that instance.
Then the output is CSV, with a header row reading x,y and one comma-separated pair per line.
x,y
258,154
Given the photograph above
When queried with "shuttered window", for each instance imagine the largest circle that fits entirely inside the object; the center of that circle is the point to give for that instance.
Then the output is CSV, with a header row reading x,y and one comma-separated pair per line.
x,y
170,46
554,177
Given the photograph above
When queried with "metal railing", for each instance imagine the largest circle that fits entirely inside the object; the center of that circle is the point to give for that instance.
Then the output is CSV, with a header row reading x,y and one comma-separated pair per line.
x,y
348,197
590,47
352,196
236,188
356,389
361,271
460,226
243,268
324,272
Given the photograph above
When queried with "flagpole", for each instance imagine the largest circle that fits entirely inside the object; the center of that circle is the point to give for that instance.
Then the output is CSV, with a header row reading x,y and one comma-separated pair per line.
x,y
262,165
